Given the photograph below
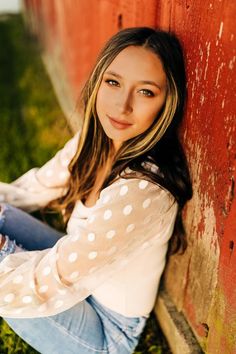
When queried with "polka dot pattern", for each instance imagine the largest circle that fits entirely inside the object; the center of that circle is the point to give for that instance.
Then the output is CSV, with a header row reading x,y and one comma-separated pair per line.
x,y
91,219
26,299
106,199
130,228
74,275
110,234
73,257
124,190
58,304
75,238
145,245
92,255
146,203
9,298
62,291
107,214
143,184
127,209
43,289
91,237
46,270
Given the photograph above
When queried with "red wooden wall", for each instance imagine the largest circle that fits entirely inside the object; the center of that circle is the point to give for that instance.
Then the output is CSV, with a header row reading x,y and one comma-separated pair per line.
x,y
202,282
74,31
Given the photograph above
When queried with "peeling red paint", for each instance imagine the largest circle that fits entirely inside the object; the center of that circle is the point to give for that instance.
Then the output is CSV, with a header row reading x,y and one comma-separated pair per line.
x,y
210,128
201,282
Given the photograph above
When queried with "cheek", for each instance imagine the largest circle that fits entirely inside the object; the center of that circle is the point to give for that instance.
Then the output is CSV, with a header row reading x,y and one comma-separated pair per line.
x,y
103,100
99,101
150,112
157,109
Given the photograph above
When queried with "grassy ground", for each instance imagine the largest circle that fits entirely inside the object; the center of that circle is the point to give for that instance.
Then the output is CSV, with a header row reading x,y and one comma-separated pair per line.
x,y
33,128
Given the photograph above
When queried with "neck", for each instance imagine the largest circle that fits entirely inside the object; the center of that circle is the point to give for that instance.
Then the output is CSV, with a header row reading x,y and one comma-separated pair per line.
x,y
116,145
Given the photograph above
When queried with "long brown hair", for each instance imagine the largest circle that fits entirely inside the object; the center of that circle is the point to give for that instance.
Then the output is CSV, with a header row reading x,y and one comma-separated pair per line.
x,y
159,144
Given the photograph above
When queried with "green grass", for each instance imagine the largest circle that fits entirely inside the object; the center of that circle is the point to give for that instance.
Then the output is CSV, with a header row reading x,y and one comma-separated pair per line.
x,y
32,123
32,129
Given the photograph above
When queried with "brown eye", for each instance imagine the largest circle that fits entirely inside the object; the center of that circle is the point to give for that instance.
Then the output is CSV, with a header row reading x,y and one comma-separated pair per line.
x,y
112,82
147,93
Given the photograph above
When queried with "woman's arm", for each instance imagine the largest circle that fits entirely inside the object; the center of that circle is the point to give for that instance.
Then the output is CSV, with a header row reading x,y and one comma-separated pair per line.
x,y
129,216
37,187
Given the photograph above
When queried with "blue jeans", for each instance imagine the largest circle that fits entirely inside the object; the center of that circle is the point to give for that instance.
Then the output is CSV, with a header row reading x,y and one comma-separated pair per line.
x,y
88,327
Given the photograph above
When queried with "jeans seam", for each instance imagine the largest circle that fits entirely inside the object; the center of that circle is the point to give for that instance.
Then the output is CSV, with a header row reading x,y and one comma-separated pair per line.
x,y
78,340
106,315
117,340
119,337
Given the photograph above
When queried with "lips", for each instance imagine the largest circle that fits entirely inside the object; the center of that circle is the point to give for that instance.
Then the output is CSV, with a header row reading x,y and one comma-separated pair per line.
x,y
119,124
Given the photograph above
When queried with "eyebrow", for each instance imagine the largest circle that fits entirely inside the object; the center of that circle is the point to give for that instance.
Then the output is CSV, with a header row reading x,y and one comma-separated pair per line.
x,y
146,82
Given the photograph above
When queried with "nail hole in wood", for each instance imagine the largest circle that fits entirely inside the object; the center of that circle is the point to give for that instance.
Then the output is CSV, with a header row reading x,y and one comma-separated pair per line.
x,y
120,21
231,245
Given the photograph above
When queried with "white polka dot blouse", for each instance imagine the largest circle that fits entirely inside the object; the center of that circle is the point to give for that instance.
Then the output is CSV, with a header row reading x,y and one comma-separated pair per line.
x,y
114,250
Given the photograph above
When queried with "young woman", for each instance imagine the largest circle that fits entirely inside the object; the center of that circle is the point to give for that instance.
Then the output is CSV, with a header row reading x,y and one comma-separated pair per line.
x,y
121,183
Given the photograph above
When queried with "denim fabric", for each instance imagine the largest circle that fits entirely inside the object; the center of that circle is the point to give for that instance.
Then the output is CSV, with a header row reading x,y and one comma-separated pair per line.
x,y
26,230
8,247
88,327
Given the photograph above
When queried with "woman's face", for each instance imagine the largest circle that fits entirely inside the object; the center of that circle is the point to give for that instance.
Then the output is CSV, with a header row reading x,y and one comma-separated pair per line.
x,y
131,94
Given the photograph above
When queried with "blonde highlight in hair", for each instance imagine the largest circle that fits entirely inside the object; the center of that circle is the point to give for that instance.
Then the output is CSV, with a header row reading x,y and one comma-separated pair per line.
x,y
94,147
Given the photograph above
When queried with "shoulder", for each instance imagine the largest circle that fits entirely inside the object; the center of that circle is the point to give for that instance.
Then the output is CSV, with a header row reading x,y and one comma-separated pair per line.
x,y
138,191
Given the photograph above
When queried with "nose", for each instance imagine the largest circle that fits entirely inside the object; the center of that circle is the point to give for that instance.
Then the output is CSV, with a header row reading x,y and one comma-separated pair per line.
x,y
125,103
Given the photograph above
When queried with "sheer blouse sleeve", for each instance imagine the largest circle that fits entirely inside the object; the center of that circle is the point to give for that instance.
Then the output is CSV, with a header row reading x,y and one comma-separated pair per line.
x,y
37,187
129,216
